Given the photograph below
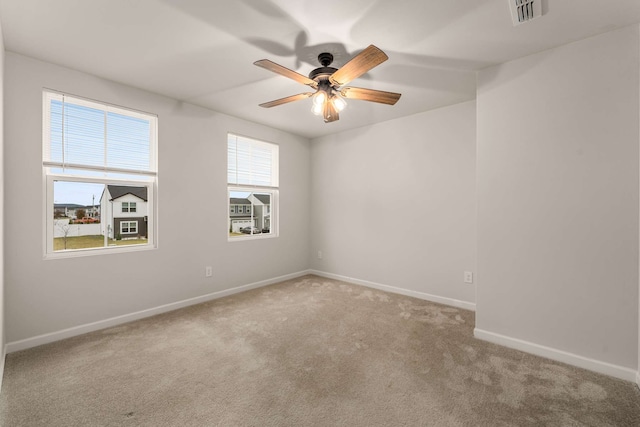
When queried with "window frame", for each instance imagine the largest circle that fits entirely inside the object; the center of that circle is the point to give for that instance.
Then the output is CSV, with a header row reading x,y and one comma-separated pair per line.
x,y
49,220
273,190
59,171
131,207
129,227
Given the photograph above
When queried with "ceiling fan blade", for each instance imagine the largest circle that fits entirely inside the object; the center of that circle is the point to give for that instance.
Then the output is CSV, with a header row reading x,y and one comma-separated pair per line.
x,y
358,65
284,71
363,94
330,113
281,101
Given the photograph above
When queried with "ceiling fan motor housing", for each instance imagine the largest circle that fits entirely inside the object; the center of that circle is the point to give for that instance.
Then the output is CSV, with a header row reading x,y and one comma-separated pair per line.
x,y
323,73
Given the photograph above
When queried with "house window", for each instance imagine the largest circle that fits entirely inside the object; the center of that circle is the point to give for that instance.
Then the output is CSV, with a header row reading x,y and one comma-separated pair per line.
x,y
128,206
95,156
129,227
252,182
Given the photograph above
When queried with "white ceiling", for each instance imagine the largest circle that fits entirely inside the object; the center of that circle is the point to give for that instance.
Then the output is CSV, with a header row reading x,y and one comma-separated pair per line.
x,y
202,51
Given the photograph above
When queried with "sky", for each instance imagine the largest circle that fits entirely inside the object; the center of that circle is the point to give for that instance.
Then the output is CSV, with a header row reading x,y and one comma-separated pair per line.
x,y
79,193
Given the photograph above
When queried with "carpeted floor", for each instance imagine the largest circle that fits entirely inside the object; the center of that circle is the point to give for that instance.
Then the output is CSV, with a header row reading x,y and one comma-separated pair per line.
x,y
306,352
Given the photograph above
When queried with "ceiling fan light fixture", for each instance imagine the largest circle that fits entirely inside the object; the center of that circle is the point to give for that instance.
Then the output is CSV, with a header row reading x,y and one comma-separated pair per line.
x,y
319,97
317,109
338,102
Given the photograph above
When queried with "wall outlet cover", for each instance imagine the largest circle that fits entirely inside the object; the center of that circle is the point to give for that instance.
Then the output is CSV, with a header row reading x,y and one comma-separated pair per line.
x,y
468,277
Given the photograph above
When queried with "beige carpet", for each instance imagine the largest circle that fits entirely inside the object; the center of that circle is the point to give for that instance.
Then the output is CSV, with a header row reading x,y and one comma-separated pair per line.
x,y
306,352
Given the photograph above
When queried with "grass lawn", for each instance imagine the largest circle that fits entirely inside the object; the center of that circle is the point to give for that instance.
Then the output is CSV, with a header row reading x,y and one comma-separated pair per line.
x,y
83,242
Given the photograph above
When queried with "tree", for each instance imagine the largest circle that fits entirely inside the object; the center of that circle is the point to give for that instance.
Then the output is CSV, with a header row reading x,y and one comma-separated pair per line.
x,y
64,227
81,213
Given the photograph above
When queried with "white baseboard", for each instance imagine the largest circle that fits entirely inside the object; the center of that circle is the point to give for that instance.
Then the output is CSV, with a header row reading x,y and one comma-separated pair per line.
x,y
559,355
114,321
4,357
420,295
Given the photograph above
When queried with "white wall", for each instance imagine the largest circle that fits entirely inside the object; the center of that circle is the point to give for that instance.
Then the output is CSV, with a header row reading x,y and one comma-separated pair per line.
x,y
394,203
557,174
52,295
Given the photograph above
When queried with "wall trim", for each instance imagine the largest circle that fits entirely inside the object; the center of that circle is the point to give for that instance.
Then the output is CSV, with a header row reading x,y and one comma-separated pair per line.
x,y
4,357
118,320
638,379
559,355
395,290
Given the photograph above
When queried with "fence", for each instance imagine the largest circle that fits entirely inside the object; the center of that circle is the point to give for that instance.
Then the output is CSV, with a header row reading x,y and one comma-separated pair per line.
x,y
74,230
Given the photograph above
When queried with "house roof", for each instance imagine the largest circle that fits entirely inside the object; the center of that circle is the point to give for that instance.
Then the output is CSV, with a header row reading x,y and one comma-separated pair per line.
x,y
264,198
235,201
117,191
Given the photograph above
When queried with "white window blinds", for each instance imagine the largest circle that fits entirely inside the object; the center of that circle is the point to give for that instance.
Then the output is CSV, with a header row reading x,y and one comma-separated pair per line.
x,y
84,135
251,162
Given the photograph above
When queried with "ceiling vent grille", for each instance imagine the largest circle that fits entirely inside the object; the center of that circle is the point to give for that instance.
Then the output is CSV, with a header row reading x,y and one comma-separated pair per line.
x,y
525,10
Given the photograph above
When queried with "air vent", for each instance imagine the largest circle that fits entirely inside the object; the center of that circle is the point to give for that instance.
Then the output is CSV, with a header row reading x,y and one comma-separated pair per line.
x,y
525,10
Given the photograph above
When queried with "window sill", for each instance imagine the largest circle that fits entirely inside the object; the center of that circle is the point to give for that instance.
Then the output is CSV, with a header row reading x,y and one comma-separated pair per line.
x,y
76,253
245,237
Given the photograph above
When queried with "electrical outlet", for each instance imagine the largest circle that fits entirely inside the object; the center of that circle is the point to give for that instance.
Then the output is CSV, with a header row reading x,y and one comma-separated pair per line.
x,y
208,271
319,254
468,277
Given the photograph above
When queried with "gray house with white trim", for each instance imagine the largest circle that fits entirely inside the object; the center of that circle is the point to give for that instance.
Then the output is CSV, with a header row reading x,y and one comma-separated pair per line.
x,y
125,211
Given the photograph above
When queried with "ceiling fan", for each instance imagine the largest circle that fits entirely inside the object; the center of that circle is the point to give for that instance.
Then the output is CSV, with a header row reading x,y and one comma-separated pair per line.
x,y
329,82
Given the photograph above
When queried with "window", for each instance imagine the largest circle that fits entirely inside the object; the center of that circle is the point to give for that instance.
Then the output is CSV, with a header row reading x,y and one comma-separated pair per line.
x,y
128,206
96,156
129,227
252,179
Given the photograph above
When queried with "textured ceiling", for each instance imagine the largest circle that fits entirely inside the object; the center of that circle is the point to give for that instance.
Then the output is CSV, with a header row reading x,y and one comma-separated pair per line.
x,y
202,51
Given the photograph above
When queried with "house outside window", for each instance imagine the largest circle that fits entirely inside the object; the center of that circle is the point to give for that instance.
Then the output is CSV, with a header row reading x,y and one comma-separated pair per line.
x,y
116,203
252,183
100,169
